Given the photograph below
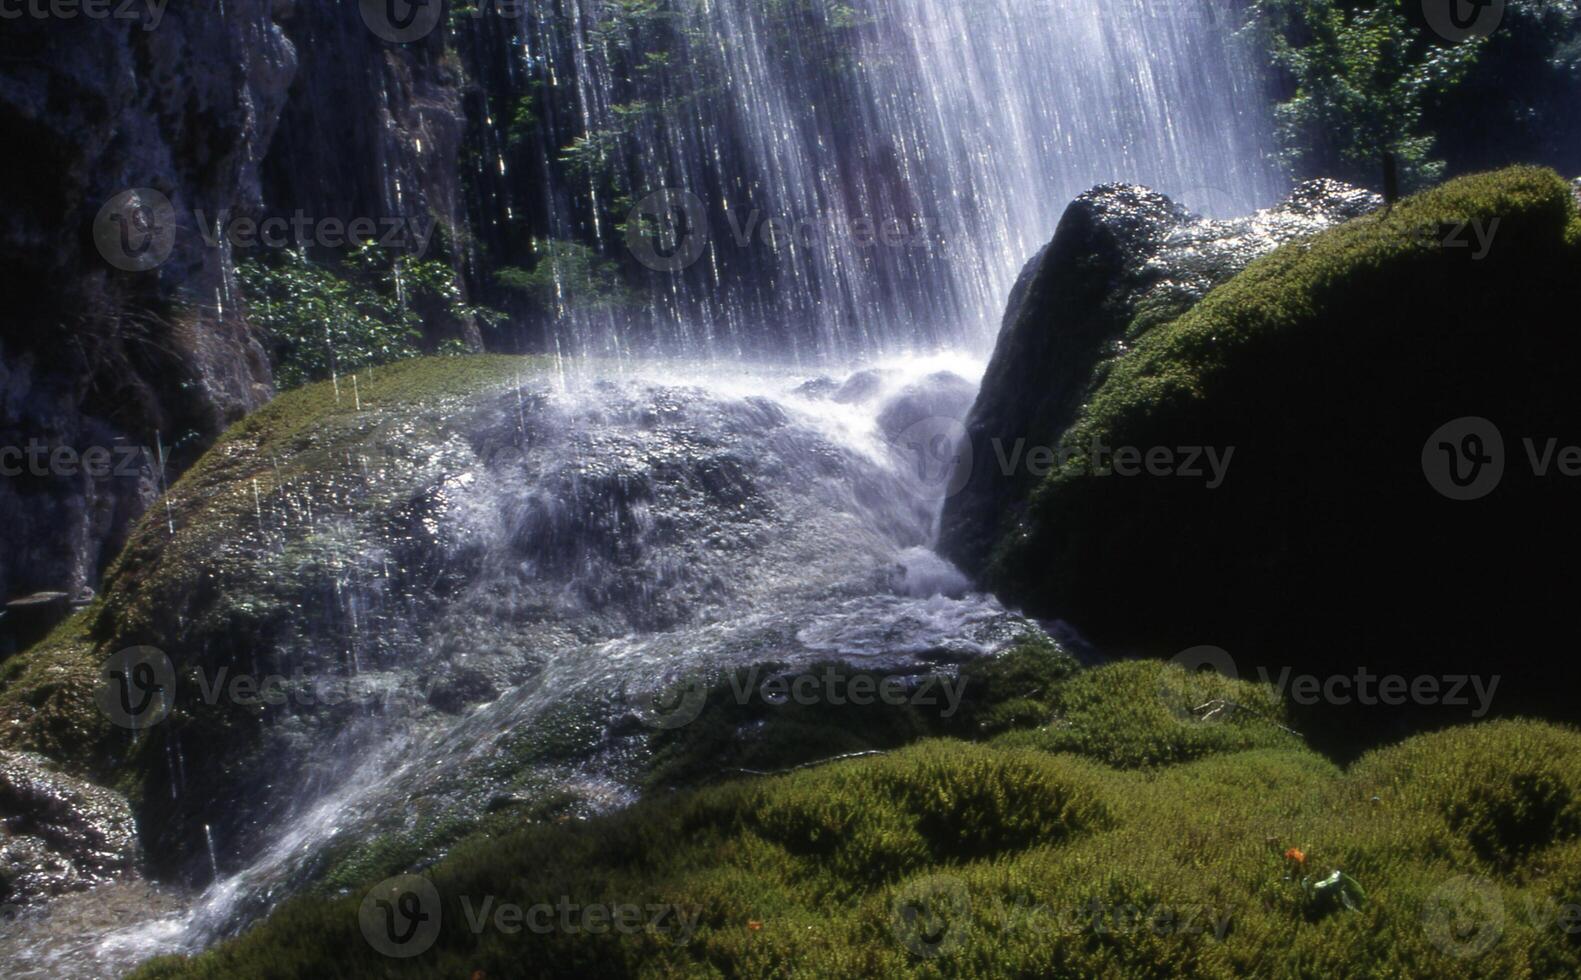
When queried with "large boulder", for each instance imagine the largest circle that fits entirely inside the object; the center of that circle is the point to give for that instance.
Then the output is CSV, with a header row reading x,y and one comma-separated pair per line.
x,y
1123,259
1340,371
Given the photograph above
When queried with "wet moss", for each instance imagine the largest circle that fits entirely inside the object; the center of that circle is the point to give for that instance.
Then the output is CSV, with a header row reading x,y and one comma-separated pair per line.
x,y
949,858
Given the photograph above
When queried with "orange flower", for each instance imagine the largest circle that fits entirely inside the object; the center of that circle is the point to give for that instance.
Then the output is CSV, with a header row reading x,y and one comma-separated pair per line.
x,y
1295,854
754,925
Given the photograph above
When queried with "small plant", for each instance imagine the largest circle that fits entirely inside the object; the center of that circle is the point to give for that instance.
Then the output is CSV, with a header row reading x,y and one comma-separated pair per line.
x,y
323,320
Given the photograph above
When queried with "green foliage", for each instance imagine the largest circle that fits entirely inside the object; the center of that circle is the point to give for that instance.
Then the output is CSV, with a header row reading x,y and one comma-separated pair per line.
x,y
568,275
1363,77
1367,78
1027,863
367,310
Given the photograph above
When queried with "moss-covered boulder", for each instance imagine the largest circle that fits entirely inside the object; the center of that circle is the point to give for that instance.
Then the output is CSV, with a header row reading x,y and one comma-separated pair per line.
x,y
1123,259
424,595
1332,375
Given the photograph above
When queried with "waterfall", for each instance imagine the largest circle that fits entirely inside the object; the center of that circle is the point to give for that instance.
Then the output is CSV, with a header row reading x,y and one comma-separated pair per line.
x,y
810,185
839,180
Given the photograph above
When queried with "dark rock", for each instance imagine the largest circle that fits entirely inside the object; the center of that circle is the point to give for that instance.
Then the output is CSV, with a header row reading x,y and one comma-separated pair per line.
x,y
1123,259
25,621
213,113
58,833
1342,376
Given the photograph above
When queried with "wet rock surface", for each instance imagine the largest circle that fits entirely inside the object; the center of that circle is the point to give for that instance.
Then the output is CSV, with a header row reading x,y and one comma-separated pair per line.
x,y
273,108
469,593
58,833
1124,259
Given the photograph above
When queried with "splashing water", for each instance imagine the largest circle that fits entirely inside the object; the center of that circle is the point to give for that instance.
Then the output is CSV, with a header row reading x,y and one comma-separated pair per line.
x,y
867,191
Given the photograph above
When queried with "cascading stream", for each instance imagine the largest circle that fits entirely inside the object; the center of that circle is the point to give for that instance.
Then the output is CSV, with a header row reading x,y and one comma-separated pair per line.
x,y
601,537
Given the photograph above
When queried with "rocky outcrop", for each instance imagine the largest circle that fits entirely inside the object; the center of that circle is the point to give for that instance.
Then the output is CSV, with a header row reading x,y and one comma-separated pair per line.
x,y
273,108
1397,393
58,833
92,355
1123,259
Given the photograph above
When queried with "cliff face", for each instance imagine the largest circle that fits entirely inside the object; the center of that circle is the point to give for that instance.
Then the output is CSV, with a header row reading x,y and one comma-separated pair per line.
x,y
268,108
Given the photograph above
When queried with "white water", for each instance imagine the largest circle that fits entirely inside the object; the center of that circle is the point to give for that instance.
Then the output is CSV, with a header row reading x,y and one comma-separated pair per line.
x,y
968,123
974,121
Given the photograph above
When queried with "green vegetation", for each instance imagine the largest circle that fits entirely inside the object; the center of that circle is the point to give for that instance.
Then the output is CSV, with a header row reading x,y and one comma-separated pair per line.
x,y
952,858
288,454
1369,77
369,309
1324,367
565,271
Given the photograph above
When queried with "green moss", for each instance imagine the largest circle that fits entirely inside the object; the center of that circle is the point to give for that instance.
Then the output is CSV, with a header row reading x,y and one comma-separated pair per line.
x,y
47,699
1029,863
1182,364
1142,713
296,445
204,567
1319,372
741,730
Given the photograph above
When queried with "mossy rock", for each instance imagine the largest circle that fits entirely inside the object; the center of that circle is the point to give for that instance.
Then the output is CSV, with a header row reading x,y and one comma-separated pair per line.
x,y
244,550
1325,368
955,859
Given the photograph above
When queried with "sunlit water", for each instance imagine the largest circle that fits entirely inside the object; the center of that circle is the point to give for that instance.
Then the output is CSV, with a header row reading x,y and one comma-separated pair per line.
x,y
808,541
972,124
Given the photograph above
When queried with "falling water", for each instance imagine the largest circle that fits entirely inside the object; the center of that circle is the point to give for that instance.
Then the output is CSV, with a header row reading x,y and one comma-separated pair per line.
x,y
869,179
